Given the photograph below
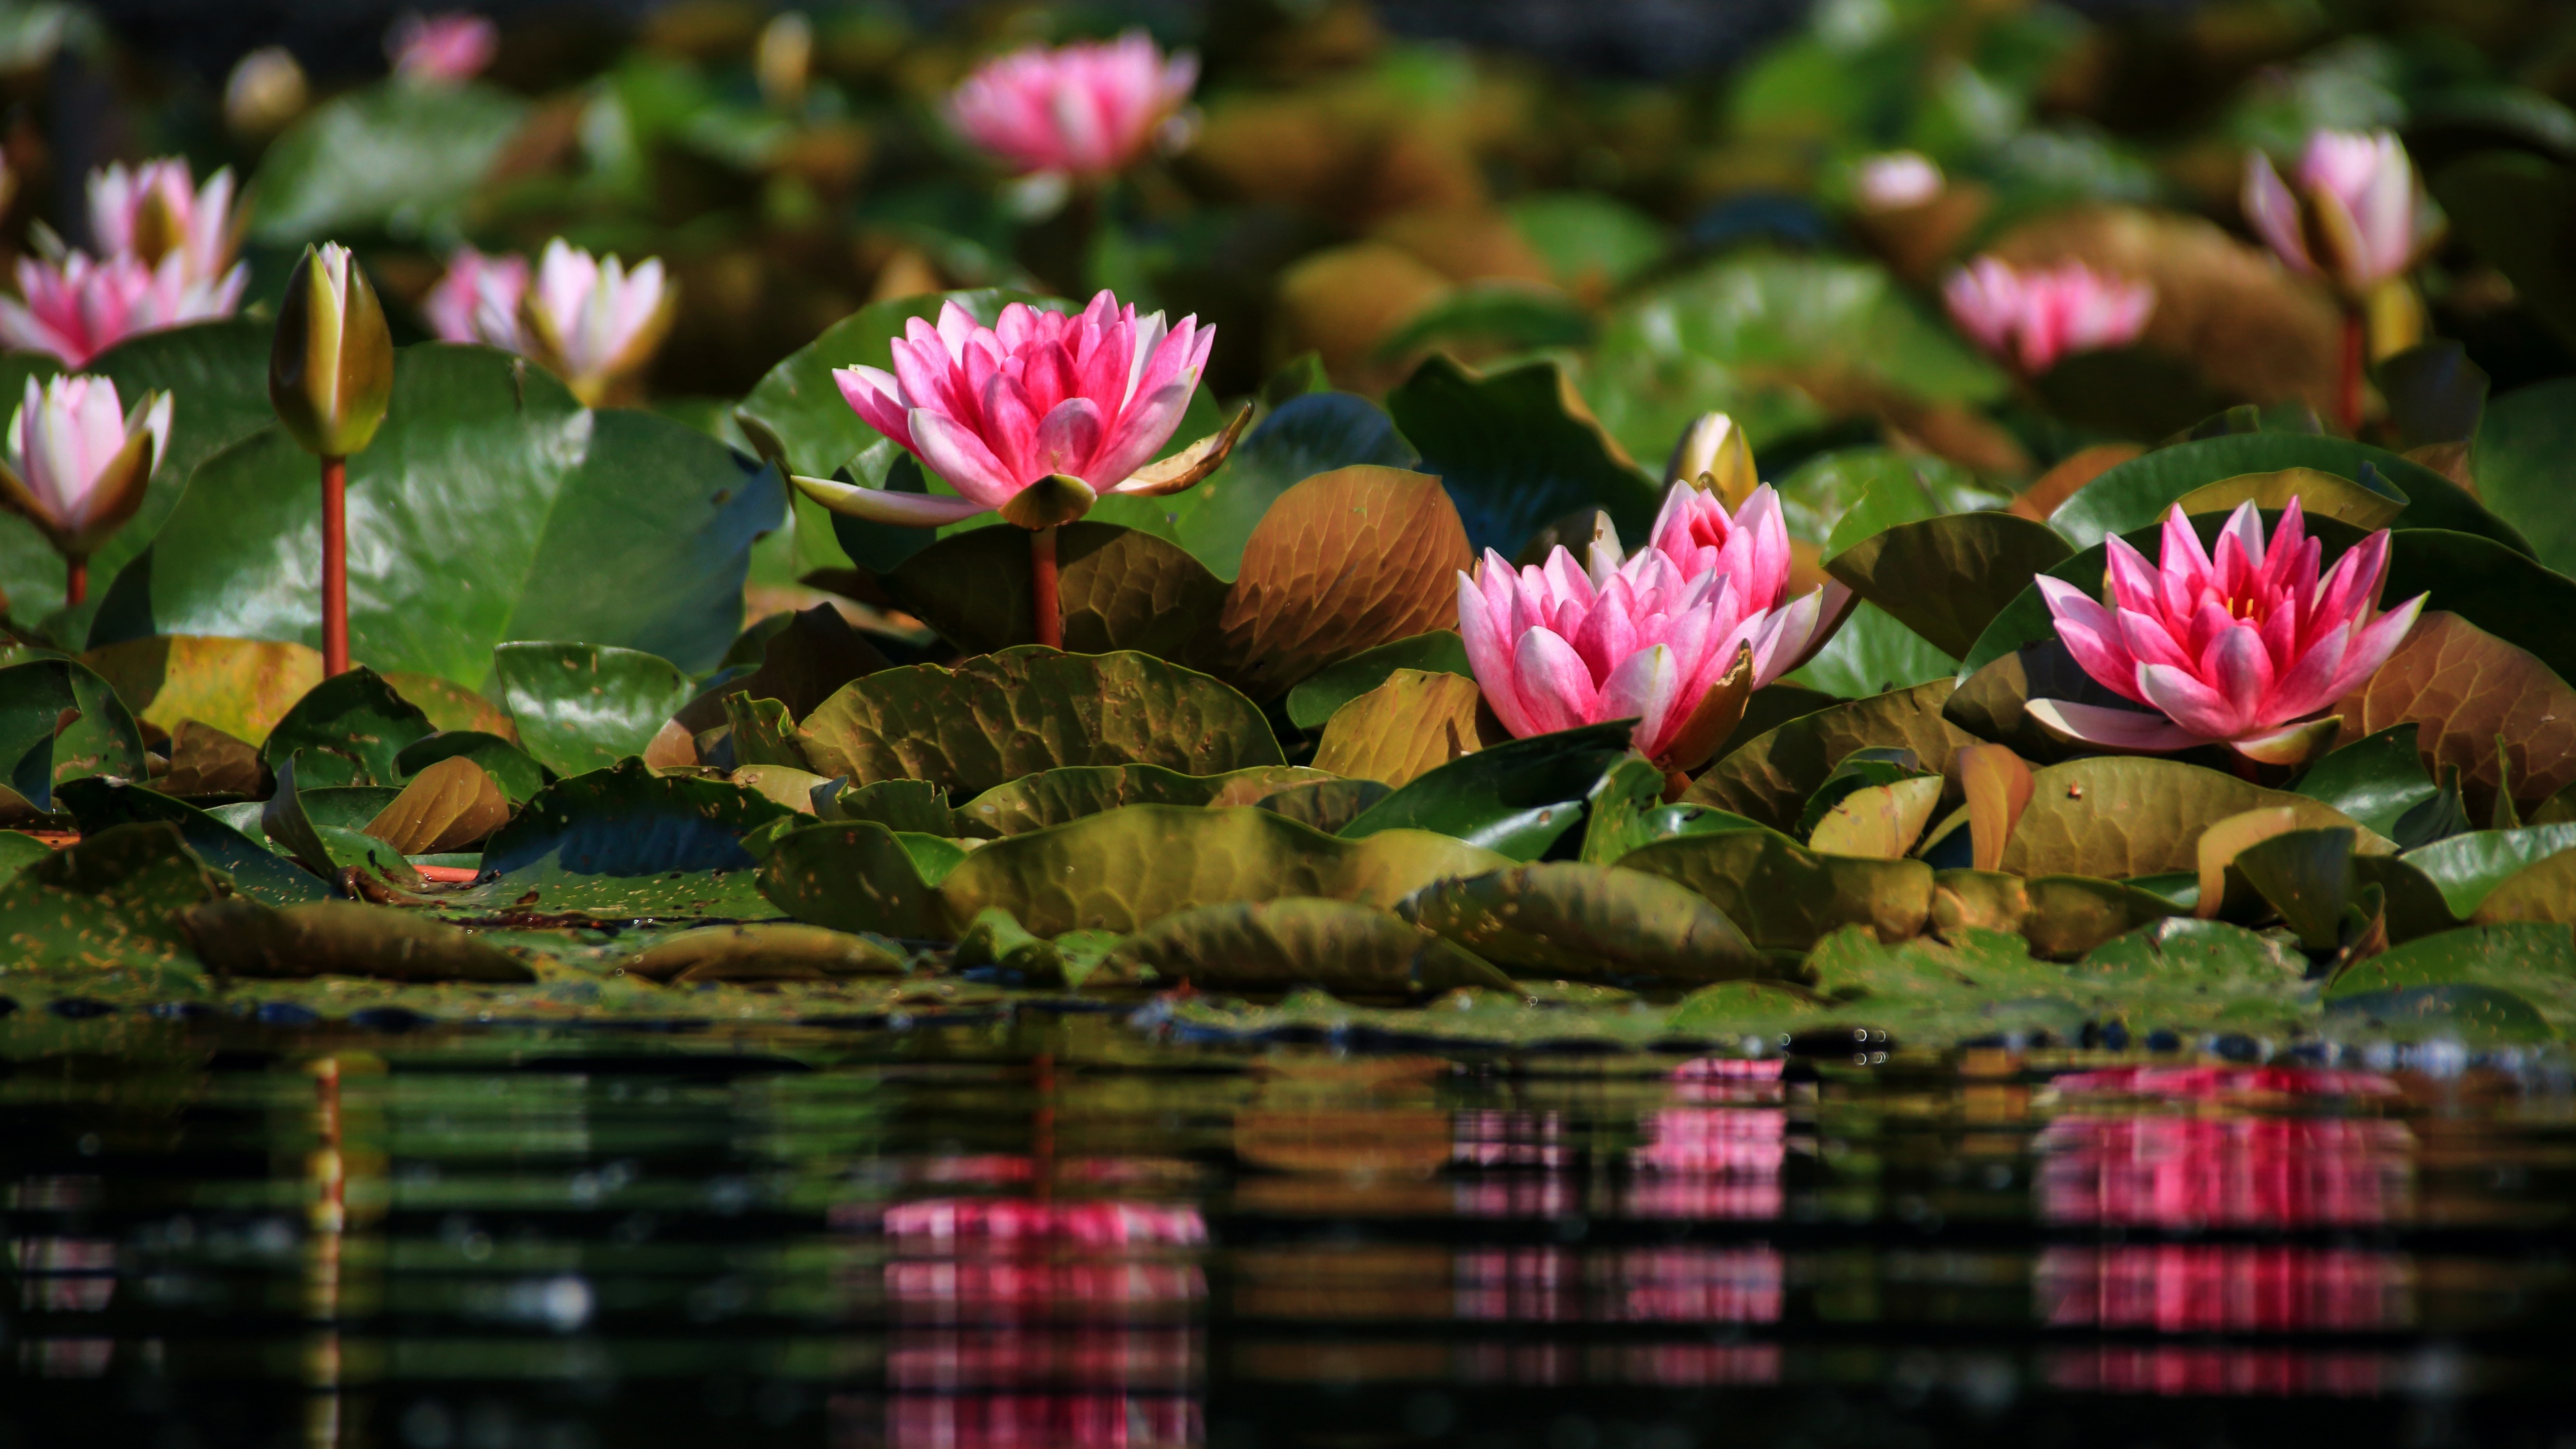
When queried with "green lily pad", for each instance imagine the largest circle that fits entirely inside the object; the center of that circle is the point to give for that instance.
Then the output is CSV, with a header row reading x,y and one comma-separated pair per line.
x,y
1946,578
18,851
391,157
2466,869
1769,779
1314,698
2536,961
1745,1008
763,951
1787,897
2071,915
913,805
60,722
1517,449
1296,941
1117,588
1052,797
2184,954
1584,922
2376,780
2308,877
1327,805
582,707
349,730
2523,442
2475,1016
2137,494
96,918
1519,798
2113,817
854,875
101,804
998,717
489,507
625,842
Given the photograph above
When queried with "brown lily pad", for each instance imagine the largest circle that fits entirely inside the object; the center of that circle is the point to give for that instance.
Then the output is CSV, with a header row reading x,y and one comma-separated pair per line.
x,y
1410,725
2463,688
1342,562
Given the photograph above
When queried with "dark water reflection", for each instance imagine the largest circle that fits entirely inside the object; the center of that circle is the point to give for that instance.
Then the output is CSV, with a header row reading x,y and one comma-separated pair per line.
x,y
1051,1233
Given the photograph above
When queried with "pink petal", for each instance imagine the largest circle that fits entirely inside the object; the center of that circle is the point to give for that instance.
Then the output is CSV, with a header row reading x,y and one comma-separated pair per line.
x,y
2274,213
886,505
960,457
2188,702
1646,687
2109,729
1553,682
1140,433
877,398
1490,657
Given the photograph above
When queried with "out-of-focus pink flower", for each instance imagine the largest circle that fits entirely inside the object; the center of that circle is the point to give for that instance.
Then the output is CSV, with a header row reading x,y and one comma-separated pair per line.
x,y
1555,646
594,321
77,460
1087,109
1089,397
1895,180
442,49
156,211
2239,650
2194,1172
1093,1223
2032,319
80,306
478,300
2356,218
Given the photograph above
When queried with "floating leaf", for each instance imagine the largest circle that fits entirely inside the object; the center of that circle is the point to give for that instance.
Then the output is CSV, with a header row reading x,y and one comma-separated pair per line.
x,y
580,707
1873,654
390,157
1406,727
2466,869
284,824
2544,890
1052,797
915,805
2536,960
1946,578
491,506
104,804
350,729
2308,877
2520,461
2463,688
1116,589
1787,897
240,686
1272,945
1316,698
768,951
1516,449
450,705
593,843
2376,780
1305,435
1518,798
238,937
449,805
999,717
1327,805
2473,1015
1769,778
763,733
511,768
1583,922
2115,817
2137,494
59,722
1344,561
101,910
206,761
853,876
2366,504
1879,821
1118,870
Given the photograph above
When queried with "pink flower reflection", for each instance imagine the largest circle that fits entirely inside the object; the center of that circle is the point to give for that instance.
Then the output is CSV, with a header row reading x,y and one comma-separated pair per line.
x,y
2181,1172
1101,1223
65,1275
1710,1162
1027,1421
2209,1083
2177,1370
2226,1288
1628,1285
1487,1137
948,1290
1089,1357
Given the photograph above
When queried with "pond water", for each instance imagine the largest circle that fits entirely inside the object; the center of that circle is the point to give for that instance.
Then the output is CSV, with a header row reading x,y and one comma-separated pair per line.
x,y
1052,1231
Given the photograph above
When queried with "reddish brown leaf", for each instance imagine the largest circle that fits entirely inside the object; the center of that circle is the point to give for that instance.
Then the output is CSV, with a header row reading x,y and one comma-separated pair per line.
x,y
2462,687
1342,562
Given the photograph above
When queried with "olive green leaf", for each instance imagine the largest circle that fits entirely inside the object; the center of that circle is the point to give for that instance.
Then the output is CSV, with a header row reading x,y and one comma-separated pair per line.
x,y
206,762
1407,726
97,915
2137,494
2377,780
763,951
351,729
1319,695
101,804
2114,817
580,707
853,875
1946,578
998,717
2520,460
1518,798
1517,448
2473,1015
1785,896
2365,503
2534,960
59,722
1327,805
914,805
240,937
1296,941
1117,588
1769,779
1586,922
2466,869
764,733
625,841
240,686
1052,797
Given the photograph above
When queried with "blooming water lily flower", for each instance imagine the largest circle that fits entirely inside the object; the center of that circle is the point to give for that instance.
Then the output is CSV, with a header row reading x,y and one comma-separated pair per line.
x,y
593,321
1561,645
2356,217
77,461
156,211
442,49
80,306
2034,318
2243,648
478,300
1087,109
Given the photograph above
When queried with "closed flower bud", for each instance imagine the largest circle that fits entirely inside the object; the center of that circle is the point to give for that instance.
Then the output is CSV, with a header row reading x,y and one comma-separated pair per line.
x,y
76,461
331,372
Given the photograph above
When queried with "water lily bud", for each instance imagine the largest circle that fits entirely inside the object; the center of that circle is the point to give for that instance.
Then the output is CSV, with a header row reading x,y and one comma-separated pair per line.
x,y
265,91
784,58
75,461
1713,448
331,372
1896,180
2351,213
2034,318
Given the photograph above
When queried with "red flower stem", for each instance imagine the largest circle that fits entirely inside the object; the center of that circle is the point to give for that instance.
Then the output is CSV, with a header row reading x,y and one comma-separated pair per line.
x,y
1046,613
2348,391
75,582
335,566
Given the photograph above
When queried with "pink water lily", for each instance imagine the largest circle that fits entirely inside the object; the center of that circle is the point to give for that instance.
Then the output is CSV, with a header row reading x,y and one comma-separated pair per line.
x,y
2034,318
2244,648
1559,645
80,306
156,211
594,321
442,49
1089,396
2355,217
77,462
1087,109
478,300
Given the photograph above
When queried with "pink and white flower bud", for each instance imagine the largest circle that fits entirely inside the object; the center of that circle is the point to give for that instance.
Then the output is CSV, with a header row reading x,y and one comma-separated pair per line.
x,y
593,320
1088,109
79,307
479,300
156,211
2033,319
442,49
2356,217
72,467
